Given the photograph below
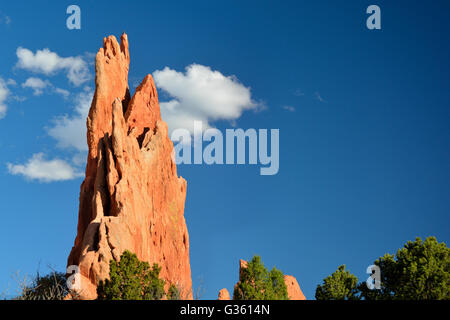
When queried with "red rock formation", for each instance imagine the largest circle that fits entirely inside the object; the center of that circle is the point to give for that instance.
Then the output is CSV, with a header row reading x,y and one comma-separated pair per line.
x,y
242,265
224,294
293,289
131,198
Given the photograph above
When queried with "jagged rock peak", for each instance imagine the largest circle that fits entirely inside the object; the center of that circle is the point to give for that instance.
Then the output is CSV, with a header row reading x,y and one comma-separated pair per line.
x,y
132,198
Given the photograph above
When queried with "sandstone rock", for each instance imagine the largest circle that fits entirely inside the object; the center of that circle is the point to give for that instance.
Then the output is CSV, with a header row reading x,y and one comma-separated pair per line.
x,y
132,198
242,265
224,295
293,289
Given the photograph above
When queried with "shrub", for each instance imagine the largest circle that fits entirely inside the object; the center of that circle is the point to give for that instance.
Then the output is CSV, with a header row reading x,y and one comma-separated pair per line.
x,y
50,287
173,293
257,283
131,279
341,285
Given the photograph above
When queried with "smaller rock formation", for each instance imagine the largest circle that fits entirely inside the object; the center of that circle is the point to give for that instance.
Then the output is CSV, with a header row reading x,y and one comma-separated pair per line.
x,y
293,288
224,294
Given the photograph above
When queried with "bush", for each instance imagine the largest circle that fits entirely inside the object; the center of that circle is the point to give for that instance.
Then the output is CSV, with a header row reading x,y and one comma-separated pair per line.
x,y
419,271
131,279
257,283
173,293
50,287
341,285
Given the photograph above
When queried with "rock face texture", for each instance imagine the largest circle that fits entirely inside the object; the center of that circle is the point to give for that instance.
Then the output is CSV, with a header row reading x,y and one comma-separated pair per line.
x,y
224,294
293,289
132,198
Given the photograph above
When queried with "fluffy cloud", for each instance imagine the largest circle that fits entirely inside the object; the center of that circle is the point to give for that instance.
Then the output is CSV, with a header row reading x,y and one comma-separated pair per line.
x,y
37,168
4,92
70,132
201,94
62,92
48,63
38,85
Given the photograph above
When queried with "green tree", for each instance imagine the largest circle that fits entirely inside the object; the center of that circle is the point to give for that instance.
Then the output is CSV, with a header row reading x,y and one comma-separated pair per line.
x,y
341,285
419,271
131,279
257,283
173,293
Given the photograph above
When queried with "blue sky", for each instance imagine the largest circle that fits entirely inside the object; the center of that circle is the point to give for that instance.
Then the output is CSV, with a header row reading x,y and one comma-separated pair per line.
x,y
363,118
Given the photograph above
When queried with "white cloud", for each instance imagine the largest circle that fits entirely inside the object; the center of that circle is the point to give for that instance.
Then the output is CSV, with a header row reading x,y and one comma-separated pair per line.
x,y
47,62
18,98
4,92
37,168
70,132
289,108
62,92
38,85
79,159
201,94
11,82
